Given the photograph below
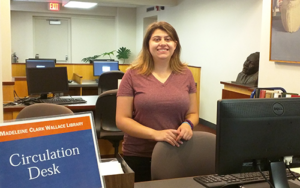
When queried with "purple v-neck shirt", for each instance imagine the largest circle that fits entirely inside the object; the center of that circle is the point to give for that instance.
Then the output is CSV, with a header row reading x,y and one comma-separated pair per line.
x,y
156,105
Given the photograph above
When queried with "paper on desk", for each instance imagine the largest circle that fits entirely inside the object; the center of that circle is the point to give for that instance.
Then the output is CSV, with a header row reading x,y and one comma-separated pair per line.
x,y
110,168
296,170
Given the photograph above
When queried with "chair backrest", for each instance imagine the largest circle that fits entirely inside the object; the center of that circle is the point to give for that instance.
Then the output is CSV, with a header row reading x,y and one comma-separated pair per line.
x,y
109,80
43,109
105,113
194,157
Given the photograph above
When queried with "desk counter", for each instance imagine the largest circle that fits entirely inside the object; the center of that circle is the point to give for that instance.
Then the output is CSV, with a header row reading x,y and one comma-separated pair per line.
x,y
190,183
85,83
106,149
233,90
11,112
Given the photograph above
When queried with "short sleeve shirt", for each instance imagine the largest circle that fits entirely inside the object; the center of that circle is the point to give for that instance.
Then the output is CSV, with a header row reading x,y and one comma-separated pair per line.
x,y
156,105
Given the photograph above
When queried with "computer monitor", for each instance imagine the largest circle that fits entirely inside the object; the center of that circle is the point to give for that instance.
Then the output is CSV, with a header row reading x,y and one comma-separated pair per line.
x,y
100,67
259,130
92,61
40,63
47,80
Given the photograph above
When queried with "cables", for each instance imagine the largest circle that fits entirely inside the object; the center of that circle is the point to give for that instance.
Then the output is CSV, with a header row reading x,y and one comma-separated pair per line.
x,y
257,162
289,160
292,173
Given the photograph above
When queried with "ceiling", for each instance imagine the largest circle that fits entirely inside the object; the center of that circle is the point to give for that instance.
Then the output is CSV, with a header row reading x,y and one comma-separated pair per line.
x,y
117,3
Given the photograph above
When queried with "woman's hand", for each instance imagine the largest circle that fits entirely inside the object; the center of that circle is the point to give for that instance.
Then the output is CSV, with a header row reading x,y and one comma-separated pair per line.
x,y
168,135
185,132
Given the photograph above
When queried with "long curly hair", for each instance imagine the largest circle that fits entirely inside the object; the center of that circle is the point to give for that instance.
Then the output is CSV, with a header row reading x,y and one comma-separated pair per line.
x,y
144,62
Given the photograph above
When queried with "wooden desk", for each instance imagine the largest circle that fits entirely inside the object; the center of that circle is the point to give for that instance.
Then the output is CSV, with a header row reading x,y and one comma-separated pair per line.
x,y
106,148
11,112
236,91
190,183
87,87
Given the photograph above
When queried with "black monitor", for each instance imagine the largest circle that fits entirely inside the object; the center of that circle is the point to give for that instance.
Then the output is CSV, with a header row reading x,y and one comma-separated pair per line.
x,y
251,131
47,80
100,67
40,63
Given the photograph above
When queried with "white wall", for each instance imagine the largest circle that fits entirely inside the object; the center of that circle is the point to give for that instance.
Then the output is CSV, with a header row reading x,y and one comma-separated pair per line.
x,y
216,36
112,29
1,92
274,74
5,44
126,31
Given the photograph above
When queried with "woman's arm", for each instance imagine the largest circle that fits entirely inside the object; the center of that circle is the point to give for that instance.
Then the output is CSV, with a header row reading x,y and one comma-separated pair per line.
x,y
125,122
185,129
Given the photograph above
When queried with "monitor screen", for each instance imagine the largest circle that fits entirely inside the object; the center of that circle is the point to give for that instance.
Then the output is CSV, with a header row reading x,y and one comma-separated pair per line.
x,y
260,130
100,67
40,63
47,80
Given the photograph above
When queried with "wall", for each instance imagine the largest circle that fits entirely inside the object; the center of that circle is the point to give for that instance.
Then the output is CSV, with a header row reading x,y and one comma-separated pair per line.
x,y
215,35
111,27
5,40
5,58
275,74
1,94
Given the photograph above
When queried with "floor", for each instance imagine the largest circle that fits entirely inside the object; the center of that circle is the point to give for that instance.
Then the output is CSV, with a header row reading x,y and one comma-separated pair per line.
x,y
204,128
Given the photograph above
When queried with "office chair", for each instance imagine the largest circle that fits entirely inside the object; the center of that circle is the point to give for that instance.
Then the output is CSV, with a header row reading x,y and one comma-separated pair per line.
x,y
109,80
43,109
194,157
105,119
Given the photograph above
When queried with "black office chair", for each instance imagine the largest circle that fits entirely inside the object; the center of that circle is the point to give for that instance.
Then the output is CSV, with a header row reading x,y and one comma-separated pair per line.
x,y
109,80
194,157
105,119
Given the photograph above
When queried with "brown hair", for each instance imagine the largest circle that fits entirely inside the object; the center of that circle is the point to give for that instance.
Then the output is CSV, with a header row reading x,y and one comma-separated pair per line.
x,y
144,62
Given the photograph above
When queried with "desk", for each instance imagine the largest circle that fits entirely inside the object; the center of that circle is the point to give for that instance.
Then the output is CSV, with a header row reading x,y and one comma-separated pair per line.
x,y
11,112
190,183
87,87
236,91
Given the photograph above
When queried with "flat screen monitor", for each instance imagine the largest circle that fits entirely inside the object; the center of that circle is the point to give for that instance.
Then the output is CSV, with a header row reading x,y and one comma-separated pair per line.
x,y
92,61
100,67
40,63
251,131
47,80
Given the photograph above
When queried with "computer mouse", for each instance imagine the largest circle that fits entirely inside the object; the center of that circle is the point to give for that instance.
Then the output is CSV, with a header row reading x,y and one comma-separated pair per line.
x,y
27,103
70,81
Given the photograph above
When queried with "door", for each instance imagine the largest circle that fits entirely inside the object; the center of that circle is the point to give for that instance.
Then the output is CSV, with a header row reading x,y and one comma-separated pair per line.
x,y
52,38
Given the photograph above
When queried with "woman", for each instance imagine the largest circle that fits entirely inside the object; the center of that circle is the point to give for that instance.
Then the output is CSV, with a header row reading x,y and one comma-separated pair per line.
x,y
156,99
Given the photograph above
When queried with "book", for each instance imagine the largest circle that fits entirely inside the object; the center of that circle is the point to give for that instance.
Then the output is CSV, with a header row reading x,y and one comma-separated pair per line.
x,y
269,94
295,95
262,93
284,94
50,152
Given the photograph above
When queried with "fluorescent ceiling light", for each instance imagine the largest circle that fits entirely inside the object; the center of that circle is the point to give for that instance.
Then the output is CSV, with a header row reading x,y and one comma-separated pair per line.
x,y
78,4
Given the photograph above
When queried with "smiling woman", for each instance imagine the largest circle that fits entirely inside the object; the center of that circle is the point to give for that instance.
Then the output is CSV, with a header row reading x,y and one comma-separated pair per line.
x,y
156,99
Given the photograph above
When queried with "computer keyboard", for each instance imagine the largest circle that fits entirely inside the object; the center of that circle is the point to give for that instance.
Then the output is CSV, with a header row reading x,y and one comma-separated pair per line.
x,y
60,101
216,181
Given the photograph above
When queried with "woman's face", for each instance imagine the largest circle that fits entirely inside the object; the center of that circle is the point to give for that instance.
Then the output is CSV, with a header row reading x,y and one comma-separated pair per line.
x,y
161,45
